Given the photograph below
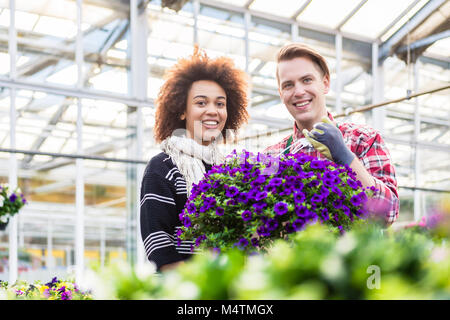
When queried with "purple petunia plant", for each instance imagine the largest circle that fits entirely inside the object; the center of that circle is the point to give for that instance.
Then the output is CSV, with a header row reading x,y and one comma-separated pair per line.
x,y
11,201
246,203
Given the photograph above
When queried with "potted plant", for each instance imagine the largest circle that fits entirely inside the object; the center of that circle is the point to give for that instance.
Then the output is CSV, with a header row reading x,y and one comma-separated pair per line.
x,y
250,201
11,201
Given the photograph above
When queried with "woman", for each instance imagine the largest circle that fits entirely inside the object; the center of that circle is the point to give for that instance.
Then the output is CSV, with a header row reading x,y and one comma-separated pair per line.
x,y
200,100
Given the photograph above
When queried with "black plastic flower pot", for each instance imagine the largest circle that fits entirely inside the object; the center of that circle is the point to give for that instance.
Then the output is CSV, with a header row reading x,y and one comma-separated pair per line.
x,y
3,225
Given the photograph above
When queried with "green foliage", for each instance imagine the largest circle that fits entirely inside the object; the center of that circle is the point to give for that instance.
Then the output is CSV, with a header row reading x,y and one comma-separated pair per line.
x,y
11,201
313,264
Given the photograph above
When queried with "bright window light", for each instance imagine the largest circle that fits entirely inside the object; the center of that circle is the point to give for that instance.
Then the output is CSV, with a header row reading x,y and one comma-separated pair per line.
x,y
440,47
24,20
93,15
278,111
238,3
4,18
113,81
283,8
122,44
254,63
56,27
66,76
373,17
269,69
113,53
4,63
327,13
403,20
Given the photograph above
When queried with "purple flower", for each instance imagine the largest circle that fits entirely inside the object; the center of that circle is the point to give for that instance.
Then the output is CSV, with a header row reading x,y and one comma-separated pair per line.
x,y
280,208
191,208
246,215
260,196
220,211
316,198
302,212
353,184
258,181
325,214
254,242
199,240
317,164
346,210
186,221
262,231
298,224
299,197
276,182
362,196
13,197
242,197
272,224
243,242
336,190
231,192
324,191
204,187
259,207
337,204
355,200
52,283
289,228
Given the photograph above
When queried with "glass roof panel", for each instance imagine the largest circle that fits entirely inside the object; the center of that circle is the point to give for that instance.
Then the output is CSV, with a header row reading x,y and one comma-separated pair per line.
x,y
283,8
238,3
373,17
327,13
440,47
388,33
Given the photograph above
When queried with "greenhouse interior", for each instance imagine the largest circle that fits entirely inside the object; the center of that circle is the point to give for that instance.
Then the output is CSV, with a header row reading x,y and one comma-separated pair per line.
x,y
79,79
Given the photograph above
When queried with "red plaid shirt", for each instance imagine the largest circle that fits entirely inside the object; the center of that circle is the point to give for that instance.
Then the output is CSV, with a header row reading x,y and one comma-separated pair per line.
x,y
367,144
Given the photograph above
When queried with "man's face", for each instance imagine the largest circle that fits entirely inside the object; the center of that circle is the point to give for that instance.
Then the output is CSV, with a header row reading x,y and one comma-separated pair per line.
x,y
302,89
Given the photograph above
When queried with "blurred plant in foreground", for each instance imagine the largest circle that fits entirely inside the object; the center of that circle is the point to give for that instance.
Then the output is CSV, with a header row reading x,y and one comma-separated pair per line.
x,y
315,264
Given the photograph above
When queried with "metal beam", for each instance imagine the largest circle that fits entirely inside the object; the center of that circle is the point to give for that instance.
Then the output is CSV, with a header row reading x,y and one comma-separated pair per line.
x,y
425,41
400,16
300,10
418,18
351,14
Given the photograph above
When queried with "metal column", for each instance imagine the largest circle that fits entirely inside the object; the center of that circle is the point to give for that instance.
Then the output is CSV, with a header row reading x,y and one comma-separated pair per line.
x,y
417,176
338,104
196,5
79,193
139,76
378,114
13,228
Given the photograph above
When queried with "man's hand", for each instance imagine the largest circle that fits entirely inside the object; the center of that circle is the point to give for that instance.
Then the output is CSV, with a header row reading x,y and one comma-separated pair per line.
x,y
328,140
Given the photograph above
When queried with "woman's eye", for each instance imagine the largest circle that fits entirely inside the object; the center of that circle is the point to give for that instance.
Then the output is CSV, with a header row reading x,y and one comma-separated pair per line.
x,y
201,103
308,80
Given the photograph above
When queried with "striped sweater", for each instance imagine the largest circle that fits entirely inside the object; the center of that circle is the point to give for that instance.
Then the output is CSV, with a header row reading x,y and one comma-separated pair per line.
x,y
163,196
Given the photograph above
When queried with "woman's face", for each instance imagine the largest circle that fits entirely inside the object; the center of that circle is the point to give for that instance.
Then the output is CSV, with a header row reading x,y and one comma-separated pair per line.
x,y
206,111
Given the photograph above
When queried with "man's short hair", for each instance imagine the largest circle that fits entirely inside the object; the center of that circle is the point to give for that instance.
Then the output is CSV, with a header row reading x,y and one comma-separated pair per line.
x,y
297,50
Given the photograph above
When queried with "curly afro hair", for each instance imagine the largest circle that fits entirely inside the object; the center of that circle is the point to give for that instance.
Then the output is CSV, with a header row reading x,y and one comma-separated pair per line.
x,y
172,98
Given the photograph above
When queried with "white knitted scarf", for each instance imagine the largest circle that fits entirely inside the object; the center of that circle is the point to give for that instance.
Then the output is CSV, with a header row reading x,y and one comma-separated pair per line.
x,y
188,155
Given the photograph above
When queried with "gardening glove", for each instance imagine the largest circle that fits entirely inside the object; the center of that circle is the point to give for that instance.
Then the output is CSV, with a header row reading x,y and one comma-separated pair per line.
x,y
328,140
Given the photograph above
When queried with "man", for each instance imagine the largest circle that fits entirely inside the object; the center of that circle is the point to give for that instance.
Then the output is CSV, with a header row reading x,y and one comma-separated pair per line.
x,y
303,81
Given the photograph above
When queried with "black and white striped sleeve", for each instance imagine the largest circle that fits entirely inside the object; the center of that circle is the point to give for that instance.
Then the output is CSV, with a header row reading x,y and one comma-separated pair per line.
x,y
159,217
